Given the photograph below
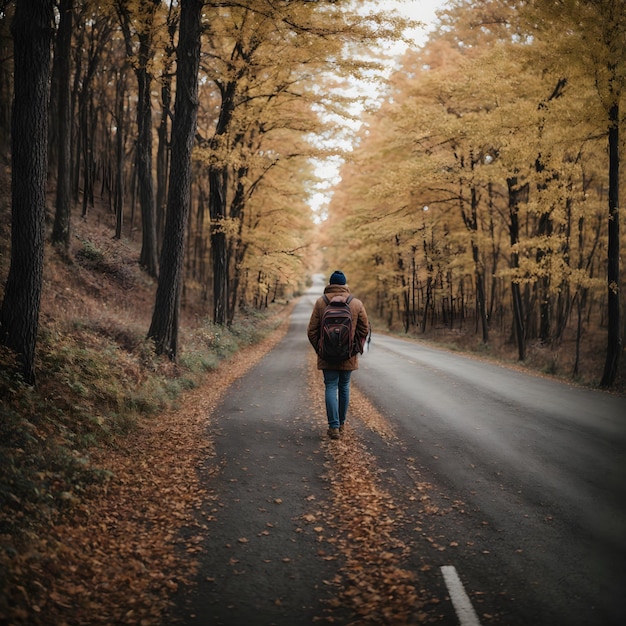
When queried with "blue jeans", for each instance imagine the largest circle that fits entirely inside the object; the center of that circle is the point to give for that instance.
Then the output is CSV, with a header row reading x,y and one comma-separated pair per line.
x,y
337,396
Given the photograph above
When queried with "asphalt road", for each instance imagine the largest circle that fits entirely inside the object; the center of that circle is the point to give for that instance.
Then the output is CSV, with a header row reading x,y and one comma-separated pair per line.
x,y
525,479
539,465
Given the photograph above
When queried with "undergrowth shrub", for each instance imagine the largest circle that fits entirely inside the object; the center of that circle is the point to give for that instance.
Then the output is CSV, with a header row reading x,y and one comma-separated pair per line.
x,y
95,379
41,472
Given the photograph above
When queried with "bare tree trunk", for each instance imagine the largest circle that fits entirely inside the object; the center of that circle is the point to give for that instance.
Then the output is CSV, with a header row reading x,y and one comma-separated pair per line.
x,y
62,216
515,194
6,83
218,188
429,285
217,210
120,95
163,148
19,316
75,126
480,293
471,223
165,318
148,257
614,339
86,149
542,286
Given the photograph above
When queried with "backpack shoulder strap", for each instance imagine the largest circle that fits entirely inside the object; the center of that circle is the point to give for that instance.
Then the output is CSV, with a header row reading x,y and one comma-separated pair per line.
x,y
346,301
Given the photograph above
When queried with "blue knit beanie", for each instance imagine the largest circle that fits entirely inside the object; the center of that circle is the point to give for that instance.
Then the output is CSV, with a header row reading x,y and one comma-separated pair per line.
x,y
337,278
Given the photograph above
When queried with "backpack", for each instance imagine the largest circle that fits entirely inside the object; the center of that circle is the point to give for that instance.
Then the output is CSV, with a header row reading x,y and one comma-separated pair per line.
x,y
336,334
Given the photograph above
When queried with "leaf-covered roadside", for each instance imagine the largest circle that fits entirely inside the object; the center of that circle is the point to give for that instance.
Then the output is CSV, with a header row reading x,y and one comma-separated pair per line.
x,y
364,520
116,554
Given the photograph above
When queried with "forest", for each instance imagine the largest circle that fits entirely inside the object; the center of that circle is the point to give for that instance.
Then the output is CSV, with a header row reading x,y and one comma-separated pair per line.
x,y
482,197
159,161
498,218
209,162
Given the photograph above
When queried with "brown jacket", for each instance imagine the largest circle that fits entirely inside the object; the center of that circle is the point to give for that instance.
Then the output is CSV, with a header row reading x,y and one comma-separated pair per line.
x,y
360,328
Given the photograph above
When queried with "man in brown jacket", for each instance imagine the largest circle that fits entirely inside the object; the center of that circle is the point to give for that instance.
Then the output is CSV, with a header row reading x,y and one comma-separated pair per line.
x,y
337,375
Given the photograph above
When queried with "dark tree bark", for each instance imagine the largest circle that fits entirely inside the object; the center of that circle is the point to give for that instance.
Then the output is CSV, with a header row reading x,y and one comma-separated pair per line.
x,y
429,285
471,223
236,248
544,230
86,112
219,252
6,75
516,194
542,287
97,37
164,327
75,107
120,124
62,216
614,339
218,187
163,147
19,316
148,258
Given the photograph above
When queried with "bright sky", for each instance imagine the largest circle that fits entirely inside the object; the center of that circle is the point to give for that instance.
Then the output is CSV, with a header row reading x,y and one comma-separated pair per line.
x,y
425,12
422,10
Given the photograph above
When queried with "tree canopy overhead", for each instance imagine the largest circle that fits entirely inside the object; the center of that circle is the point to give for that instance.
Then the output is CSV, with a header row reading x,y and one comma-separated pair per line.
x,y
481,186
479,192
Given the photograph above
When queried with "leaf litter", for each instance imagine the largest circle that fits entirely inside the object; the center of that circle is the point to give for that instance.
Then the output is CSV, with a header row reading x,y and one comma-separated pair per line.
x,y
120,554
372,583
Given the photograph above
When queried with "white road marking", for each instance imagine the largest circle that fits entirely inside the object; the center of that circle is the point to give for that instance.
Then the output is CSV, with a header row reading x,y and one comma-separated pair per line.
x,y
462,604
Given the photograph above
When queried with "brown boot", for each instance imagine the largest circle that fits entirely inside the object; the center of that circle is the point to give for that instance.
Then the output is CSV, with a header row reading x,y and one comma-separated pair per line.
x,y
333,433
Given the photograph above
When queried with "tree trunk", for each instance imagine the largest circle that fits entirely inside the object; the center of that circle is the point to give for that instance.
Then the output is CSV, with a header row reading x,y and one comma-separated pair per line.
x,y
19,316
429,285
120,95
162,162
165,318
220,272
614,340
6,81
471,223
217,191
76,99
544,299
163,148
480,293
238,255
515,194
148,256
86,147
236,249
62,216
218,188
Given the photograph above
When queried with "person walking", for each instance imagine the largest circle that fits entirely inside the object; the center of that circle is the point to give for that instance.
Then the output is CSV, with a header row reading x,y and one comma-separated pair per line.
x,y
337,374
